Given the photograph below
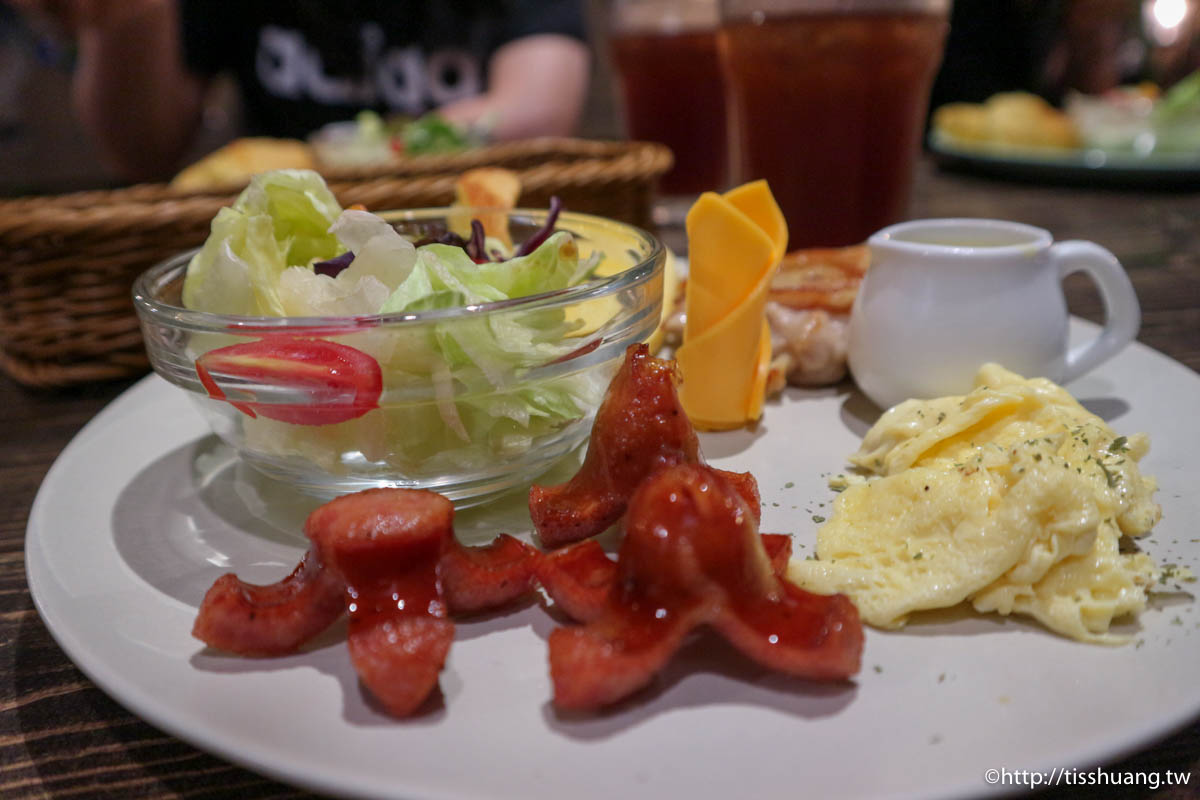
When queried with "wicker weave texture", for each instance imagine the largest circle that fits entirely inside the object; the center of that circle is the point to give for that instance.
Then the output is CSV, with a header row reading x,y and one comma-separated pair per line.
x,y
68,262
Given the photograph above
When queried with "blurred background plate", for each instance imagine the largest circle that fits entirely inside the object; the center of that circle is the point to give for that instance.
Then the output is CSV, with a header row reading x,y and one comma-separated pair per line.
x,y
1175,171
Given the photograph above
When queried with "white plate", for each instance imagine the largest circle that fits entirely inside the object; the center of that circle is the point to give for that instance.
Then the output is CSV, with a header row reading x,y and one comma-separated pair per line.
x,y
143,510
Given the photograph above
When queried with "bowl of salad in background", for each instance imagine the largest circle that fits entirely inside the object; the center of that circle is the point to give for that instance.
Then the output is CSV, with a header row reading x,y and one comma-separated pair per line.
x,y
338,350
370,140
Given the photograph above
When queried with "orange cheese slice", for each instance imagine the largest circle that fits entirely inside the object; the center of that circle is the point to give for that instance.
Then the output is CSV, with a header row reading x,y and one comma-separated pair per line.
x,y
735,242
756,202
722,244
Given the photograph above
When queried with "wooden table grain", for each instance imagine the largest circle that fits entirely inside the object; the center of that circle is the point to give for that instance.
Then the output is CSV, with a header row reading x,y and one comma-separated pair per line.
x,y
61,737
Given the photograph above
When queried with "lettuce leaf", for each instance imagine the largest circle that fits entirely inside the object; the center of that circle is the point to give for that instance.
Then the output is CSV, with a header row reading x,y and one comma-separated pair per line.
x,y
281,219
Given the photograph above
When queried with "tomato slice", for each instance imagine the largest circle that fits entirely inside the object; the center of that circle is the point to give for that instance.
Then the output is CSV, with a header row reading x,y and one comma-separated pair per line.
x,y
341,383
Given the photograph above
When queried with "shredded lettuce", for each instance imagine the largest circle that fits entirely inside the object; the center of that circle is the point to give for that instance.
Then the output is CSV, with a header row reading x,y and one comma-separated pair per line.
x,y
484,357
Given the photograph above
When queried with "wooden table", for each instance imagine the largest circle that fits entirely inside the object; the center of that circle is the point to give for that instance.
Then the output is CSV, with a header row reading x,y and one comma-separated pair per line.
x,y
62,737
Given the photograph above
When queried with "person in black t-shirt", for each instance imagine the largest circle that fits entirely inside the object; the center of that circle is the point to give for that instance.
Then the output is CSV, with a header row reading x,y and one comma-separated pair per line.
x,y
144,66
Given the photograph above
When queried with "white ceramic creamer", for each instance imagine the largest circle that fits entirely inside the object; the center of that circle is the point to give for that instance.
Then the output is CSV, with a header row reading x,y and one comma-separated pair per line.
x,y
944,296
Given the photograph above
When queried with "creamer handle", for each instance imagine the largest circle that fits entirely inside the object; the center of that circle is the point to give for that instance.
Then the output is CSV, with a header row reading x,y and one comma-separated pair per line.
x,y
1122,314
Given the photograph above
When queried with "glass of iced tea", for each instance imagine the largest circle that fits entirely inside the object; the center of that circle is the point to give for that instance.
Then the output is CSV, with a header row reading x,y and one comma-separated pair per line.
x,y
669,83
827,101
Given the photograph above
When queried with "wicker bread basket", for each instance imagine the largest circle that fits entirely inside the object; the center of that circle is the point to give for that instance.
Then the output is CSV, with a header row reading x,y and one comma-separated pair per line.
x,y
68,262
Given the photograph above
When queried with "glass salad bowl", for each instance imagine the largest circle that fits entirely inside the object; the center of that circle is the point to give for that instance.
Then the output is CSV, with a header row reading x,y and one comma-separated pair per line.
x,y
466,400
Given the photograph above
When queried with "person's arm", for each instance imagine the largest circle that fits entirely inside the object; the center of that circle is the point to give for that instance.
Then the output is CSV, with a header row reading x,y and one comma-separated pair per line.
x,y
537,86
131,91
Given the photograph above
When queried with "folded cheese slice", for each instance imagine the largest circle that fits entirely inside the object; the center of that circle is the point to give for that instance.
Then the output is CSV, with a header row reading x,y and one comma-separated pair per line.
x,y
735,242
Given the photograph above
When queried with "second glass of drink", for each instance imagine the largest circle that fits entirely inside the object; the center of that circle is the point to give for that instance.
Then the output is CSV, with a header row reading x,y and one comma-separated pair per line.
x,y
827,100
669,80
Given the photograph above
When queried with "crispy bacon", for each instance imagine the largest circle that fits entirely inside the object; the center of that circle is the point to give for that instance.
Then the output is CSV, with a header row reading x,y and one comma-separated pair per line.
x,y
640,427
489,576
691,555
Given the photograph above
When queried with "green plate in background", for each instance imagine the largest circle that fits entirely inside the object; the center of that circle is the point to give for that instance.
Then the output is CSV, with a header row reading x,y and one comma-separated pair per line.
x,y
1175,171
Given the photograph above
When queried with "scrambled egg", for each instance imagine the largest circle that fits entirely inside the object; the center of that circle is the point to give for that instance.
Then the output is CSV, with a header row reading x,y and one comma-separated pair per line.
x,y
1013,497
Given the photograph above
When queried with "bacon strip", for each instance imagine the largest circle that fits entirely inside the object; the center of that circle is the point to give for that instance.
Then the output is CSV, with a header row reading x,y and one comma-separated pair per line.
x,y
272,620
640,427
489,576
692,555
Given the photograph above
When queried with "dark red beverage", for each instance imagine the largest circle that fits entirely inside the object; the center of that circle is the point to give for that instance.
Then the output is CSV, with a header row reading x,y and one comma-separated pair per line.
x,y
830,108
671,93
